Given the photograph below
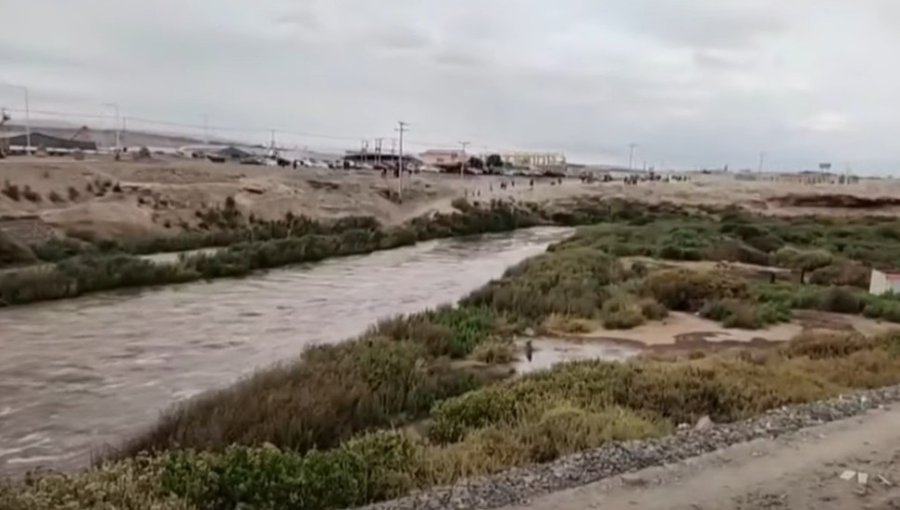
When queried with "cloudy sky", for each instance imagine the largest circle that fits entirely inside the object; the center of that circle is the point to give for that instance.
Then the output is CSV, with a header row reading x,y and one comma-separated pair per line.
x,y
696,83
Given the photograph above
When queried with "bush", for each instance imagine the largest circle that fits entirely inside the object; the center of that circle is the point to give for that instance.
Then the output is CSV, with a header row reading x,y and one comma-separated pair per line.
x,y
31,195
842,300
803,261
827,345
133,484
13,252
557,323
11,191
685,290
73,194
469,327
569,282
733,313
653,310
495,353
462,205
330,394
56,198
622,312
845,274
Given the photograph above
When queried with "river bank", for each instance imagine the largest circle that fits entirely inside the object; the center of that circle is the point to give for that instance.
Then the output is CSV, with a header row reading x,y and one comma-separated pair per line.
x,y
404,407
83,375
300,240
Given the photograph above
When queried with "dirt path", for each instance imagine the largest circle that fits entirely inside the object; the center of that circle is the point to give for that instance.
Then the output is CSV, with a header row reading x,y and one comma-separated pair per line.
x,y
797,471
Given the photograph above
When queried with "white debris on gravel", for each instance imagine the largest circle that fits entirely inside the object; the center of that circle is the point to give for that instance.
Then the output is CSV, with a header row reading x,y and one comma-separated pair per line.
x,y
518,485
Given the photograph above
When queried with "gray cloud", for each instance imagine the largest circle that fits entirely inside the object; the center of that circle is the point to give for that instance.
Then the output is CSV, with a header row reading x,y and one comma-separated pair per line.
x,y
694,82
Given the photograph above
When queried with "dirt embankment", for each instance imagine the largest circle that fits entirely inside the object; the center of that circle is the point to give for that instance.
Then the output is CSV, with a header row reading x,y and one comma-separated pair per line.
x,y
102,198
107,199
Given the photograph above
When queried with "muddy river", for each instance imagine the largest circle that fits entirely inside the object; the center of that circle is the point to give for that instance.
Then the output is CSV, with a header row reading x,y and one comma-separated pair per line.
x,y
81,374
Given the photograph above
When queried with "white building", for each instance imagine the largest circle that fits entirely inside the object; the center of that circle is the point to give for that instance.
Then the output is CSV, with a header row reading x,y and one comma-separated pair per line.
x,y
884,283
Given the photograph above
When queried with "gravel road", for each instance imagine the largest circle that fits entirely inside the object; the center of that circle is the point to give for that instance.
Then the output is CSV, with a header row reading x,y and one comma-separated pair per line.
x,y
790,457
797,471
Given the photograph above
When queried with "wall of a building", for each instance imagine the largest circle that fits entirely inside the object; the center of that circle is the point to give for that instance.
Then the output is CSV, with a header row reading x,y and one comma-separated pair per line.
x,y
881,284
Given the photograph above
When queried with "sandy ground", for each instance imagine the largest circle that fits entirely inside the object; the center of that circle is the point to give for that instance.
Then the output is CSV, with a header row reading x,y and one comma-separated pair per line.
x,y
797,471
161,196
689,331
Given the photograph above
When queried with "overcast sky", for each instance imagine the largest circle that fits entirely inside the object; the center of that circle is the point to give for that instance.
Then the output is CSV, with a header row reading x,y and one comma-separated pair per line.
x,y
694,82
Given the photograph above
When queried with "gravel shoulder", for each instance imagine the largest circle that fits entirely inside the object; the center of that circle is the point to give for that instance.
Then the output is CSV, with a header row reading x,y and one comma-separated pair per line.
x,y
801,470
787,458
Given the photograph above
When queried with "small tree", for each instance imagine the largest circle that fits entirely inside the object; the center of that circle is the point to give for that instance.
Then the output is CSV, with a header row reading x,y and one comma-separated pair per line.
x,y
803,261
494,161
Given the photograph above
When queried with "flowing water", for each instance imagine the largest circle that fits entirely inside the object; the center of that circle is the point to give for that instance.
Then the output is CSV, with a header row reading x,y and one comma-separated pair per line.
x,y
79,375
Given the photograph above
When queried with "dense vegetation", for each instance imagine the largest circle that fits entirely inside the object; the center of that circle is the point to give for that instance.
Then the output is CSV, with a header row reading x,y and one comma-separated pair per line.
x,y
81,268
404,406
13,253
535,418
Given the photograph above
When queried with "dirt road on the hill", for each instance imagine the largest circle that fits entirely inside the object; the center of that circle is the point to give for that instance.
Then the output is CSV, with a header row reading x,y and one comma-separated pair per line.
x,y
798,471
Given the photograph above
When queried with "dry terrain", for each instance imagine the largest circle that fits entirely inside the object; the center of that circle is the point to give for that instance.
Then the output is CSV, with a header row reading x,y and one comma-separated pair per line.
x,y
798,471
102,198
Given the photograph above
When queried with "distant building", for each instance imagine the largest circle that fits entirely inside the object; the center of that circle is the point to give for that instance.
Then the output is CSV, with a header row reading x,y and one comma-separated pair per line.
x,y
373,158
443,158
40,140
534,159
884,282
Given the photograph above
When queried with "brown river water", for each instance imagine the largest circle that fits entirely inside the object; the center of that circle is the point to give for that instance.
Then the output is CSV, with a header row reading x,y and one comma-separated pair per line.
x,y
80,375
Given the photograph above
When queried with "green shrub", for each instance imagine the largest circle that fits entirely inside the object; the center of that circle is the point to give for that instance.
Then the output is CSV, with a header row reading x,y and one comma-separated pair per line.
x,y
842,300
685,290
653,310
827,345
133,484
845,274
330,394
454,417
495,352
13,252
622,312
569,282
265,478
469,326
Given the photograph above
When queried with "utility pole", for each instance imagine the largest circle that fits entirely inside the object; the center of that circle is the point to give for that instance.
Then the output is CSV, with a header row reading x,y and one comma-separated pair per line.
x,y
401,128
27,123
378,144
462,164
115,108
762,160
272,145
631,147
